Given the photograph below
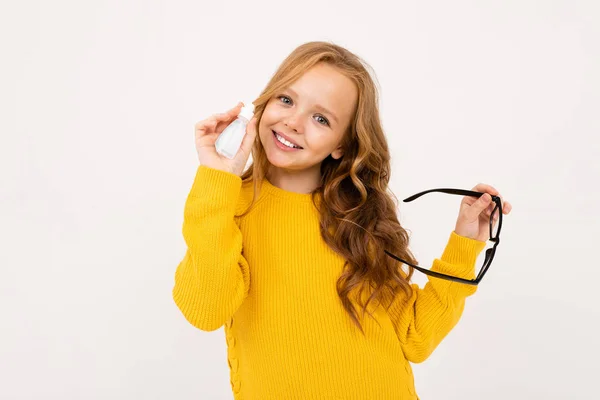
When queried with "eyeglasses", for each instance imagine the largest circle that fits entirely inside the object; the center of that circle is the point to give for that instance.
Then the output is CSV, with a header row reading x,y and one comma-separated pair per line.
x,y
494,237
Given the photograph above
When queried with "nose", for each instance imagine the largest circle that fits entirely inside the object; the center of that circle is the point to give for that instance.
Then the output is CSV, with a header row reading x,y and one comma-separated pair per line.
x,y
292,121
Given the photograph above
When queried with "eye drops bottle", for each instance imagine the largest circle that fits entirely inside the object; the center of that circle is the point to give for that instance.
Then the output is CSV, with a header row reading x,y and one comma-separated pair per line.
x,y
229,141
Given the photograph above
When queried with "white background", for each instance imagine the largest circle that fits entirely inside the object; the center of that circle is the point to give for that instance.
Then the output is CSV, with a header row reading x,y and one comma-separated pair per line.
x,y
99,101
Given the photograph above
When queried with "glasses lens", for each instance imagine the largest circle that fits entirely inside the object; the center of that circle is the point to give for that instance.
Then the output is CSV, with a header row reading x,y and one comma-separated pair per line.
x,y
496,223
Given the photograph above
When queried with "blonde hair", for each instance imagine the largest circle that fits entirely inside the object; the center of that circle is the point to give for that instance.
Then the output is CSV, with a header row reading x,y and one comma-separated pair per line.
x,y
358,215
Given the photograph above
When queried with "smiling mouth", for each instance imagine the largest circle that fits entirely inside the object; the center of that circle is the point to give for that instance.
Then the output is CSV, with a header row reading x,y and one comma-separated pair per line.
x,y
296,146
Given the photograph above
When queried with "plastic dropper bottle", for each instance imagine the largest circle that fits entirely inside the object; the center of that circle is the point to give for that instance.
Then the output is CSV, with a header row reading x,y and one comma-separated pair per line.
x,y
229,141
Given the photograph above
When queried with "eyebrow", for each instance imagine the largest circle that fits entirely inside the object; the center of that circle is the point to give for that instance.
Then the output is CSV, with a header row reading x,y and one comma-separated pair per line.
x,y
318,106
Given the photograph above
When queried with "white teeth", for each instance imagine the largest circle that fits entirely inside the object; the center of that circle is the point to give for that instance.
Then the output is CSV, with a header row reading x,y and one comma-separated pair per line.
x,y
288,144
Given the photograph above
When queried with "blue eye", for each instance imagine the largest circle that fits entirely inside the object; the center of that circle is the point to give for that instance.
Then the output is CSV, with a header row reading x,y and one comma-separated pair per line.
x,y
324,119
283,97
326,122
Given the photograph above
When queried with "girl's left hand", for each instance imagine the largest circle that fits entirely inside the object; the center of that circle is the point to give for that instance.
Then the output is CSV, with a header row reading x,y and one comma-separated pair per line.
x,y
474,216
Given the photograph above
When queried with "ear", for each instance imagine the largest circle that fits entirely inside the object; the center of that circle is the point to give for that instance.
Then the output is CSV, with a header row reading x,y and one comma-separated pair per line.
x,y
337,153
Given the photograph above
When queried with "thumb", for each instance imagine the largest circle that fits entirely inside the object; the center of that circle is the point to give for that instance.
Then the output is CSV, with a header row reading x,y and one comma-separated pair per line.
x,y
479,206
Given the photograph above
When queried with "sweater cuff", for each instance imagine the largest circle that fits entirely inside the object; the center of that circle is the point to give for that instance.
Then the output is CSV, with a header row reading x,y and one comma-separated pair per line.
x,y
216,186
462,251
459,256
458,259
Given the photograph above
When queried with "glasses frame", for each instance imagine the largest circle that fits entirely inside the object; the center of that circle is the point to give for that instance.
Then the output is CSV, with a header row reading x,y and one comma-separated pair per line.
x,y
489,254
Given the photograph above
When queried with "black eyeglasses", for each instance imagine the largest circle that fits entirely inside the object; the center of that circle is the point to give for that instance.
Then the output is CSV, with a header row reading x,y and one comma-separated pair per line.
x,y
494,237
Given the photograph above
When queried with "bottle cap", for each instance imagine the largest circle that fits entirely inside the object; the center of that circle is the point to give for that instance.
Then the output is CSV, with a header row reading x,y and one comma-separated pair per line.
x,y
247,111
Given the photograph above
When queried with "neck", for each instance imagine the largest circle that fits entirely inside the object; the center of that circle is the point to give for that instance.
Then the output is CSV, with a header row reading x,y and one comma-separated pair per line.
x,y
304,181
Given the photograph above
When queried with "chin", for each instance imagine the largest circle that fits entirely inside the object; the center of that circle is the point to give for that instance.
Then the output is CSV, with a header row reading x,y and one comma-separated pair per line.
x,y
279,162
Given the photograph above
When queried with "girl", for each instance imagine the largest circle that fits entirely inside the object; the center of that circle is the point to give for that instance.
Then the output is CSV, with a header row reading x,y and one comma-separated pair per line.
x,y
284,253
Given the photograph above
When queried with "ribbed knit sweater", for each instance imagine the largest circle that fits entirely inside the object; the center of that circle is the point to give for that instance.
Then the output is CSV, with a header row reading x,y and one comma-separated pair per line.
x,y
270,280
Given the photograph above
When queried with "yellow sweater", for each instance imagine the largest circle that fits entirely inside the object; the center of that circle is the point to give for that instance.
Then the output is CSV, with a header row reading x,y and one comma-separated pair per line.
x,y
270,279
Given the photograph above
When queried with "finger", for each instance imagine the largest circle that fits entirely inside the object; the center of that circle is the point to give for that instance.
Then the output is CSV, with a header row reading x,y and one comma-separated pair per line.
x,y
485,188
212,123
478,207
490,208
224,120
249,138
206,126
505,205
202,124
235,110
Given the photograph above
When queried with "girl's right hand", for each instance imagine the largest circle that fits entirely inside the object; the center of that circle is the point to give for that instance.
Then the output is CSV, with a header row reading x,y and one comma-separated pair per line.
x,y
207,132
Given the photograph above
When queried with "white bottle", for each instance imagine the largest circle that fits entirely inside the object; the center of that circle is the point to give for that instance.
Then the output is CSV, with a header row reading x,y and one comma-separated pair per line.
x,y
229,141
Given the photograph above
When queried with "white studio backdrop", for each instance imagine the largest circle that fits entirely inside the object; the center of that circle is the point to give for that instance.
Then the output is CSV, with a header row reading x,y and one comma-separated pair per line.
x,y
99,101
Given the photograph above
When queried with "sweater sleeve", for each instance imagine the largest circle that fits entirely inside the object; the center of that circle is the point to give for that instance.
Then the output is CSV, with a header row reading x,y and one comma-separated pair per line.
x,y
213,278
424,319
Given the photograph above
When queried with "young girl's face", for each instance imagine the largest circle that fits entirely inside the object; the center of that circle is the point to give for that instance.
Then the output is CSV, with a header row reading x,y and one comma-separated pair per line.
x,y
314,113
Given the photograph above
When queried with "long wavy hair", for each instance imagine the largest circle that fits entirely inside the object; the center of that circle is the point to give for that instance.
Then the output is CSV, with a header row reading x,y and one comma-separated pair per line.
x,y
358,214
